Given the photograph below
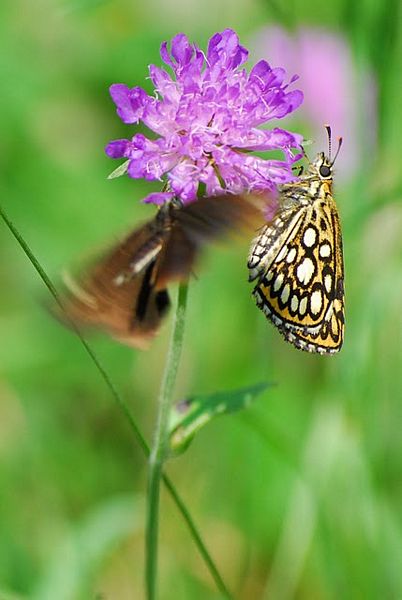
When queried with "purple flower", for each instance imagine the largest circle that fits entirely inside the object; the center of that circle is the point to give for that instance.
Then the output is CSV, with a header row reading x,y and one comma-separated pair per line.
x,y
207,119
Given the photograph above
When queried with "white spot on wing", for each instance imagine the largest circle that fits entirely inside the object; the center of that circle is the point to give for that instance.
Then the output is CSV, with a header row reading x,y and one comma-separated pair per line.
x,y
138,265
285,293
325,250
120,279
303,306
266,310
305,270
278,282
281,254
291,255
309,237
328,283
316,302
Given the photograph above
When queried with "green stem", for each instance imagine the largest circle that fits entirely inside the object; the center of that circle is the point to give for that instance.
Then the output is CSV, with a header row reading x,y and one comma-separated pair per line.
x,y
220,584
158,451
123,407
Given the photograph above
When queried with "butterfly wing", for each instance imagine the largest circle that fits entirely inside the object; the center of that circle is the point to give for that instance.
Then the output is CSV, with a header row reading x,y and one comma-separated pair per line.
x,y
204,221
125,292
118,293
298,262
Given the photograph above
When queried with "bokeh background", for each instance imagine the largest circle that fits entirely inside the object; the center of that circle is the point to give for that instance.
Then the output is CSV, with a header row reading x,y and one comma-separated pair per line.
x,y
301,495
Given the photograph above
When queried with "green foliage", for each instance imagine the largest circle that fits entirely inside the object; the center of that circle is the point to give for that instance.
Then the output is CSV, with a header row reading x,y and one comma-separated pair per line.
x,y
297,497
119,171
190,415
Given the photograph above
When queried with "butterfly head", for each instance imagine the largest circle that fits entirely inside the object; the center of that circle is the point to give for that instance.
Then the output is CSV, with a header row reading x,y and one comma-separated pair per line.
x,y
322,166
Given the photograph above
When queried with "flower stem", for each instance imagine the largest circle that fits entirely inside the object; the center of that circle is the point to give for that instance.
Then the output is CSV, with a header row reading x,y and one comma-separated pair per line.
x,y
158,451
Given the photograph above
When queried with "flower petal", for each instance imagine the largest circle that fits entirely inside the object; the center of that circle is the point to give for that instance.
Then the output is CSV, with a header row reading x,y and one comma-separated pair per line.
x,y
130,103
224,48
164,84
158,198
290,102
117,148
182,51
265,76
271,139
183,180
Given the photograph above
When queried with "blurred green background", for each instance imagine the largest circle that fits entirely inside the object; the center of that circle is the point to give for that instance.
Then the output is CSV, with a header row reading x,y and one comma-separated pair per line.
x,y
300,496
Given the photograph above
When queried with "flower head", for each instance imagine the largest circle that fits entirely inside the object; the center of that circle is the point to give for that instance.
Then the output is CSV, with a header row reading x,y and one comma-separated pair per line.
x,y
207,119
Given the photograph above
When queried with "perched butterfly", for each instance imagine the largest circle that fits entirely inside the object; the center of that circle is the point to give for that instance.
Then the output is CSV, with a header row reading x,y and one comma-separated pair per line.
x,y
297,261
125,292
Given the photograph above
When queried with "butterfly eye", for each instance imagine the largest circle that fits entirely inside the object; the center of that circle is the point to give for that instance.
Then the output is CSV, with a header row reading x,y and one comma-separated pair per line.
x,y
325,171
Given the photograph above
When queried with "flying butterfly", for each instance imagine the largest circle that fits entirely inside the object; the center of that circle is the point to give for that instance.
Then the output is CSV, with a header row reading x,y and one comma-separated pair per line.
x,y
297,261
125,292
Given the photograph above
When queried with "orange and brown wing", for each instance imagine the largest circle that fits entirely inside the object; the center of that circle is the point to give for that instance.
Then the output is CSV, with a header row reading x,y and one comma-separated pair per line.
x,y
125,292
118,293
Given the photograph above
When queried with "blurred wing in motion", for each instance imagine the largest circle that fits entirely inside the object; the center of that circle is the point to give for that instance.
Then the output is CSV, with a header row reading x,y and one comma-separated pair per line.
x,y
118,293
125,292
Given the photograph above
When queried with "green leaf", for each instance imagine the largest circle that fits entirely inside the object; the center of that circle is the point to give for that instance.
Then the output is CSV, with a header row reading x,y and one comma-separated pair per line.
x,y
188,416
121,170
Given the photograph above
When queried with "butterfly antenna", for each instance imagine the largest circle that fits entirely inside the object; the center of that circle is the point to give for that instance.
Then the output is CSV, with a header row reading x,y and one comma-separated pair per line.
x,y
340,140
329,134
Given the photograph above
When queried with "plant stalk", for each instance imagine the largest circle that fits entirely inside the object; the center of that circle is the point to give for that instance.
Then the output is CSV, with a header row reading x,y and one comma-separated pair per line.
x,y
158,450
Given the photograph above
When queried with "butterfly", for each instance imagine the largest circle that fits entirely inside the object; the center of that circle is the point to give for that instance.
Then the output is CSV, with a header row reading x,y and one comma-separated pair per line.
x,y
125,292
297,262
